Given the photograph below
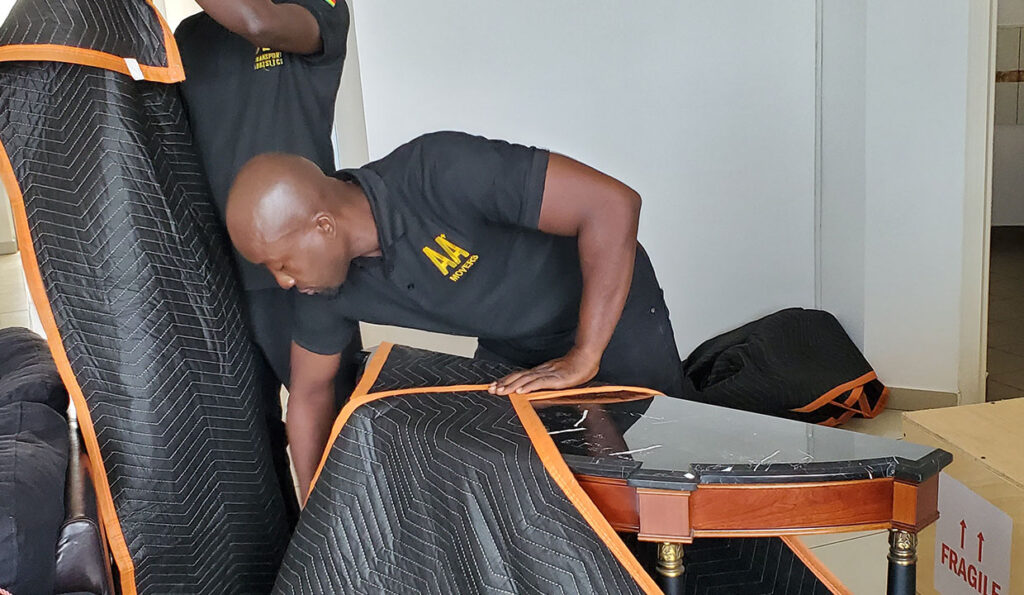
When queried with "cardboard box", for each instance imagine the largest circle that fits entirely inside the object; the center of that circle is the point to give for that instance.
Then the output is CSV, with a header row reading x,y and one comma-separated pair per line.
x,y
987,443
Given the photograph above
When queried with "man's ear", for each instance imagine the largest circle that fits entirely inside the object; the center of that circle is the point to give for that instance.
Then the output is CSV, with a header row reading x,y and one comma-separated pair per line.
x,y
325,224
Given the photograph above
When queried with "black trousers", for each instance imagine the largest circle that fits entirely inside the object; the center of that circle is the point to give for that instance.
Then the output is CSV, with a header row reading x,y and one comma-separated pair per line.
x,y
642,350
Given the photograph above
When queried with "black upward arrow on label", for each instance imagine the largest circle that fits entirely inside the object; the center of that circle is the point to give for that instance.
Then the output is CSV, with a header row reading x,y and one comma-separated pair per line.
x,y
963,529
981,540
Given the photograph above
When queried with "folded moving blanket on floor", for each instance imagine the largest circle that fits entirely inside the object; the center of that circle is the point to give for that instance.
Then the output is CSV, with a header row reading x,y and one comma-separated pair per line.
x,y
432,485
133,280
795,363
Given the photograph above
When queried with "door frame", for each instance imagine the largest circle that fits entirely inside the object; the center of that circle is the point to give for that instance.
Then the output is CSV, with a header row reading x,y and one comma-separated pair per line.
x,y
977,230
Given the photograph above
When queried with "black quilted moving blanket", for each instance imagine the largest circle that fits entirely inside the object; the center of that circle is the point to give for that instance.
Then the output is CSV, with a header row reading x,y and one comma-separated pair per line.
x,y
133,280
432,485
795,363
443,492
107,34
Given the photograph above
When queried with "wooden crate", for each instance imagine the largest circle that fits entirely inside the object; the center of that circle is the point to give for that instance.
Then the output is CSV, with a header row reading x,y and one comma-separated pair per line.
x,y
987,443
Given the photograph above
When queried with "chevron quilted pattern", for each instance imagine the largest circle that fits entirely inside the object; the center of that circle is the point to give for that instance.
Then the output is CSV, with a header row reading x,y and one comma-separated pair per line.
x,y
128,30
140,282
442,493
418,368
750,566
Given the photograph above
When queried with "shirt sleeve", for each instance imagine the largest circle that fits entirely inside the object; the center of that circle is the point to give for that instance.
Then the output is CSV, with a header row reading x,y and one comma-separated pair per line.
x,y
333,19
498,181
319,325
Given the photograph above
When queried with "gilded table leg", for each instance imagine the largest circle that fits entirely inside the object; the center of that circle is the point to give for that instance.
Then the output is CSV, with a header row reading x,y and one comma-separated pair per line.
x,y
670,567
902,562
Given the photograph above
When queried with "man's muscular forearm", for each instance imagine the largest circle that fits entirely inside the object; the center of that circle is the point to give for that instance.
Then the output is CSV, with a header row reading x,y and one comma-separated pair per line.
x,y
607,247
308,424
603,214
281,26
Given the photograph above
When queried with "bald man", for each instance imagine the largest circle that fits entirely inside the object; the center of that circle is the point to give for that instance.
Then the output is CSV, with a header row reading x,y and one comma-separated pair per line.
x,y
530,251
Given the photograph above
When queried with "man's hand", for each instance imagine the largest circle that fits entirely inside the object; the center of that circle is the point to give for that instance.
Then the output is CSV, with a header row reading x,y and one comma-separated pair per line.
x,y
568,371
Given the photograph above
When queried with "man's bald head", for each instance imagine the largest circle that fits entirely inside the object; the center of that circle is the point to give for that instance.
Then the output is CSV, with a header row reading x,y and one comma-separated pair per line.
x,y
281,214
273,194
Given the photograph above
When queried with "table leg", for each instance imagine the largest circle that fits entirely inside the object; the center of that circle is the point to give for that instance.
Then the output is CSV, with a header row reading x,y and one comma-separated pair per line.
x,y
902,562
670,567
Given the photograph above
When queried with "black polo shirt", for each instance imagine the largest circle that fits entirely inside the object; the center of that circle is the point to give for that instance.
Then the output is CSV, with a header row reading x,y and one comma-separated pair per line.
x,y
457,220
243,100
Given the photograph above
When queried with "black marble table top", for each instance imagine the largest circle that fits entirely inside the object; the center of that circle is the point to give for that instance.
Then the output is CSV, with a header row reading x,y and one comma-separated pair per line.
x,y
667,443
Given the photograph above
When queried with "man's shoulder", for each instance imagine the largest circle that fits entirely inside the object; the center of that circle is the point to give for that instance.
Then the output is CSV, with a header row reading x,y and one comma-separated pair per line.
x,y
423,150
444,139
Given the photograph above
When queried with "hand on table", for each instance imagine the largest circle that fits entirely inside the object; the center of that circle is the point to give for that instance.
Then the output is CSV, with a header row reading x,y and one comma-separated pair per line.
x,y
573,369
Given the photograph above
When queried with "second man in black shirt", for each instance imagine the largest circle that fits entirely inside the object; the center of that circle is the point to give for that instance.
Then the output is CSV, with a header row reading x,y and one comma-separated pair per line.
x,y
263,76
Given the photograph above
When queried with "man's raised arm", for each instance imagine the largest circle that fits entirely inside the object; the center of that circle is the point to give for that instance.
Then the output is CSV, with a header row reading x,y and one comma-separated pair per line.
x,y
280,26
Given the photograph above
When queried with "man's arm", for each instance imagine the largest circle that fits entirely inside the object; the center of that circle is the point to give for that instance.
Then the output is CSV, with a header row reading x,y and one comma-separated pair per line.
x,y
310,411
603,214
285,26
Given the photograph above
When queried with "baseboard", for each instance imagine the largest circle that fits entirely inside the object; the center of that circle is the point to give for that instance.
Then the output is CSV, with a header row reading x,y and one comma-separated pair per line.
x,y
913,399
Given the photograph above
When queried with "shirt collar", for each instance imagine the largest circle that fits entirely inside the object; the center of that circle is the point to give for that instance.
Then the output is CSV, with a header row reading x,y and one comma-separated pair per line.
x,y
389,221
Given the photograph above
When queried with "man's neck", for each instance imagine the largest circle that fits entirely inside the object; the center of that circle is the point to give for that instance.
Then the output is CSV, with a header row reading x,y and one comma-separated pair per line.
x,y
354,210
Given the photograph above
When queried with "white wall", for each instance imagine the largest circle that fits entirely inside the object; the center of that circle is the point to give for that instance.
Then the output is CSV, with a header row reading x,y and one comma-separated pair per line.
x,y
895,205
915,189
707,109
894,188
175,11
842,208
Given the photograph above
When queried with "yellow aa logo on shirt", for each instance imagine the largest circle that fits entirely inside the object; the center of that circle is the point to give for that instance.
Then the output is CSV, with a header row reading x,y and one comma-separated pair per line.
x,y
454,258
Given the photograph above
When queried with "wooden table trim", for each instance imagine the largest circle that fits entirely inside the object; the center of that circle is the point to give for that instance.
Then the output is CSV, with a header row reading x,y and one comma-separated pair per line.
x,y
757,510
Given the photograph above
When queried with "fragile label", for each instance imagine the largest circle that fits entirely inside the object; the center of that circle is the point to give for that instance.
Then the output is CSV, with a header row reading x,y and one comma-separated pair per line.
x,y
972,543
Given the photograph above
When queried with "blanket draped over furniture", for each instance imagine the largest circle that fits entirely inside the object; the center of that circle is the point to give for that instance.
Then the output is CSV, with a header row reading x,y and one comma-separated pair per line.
x,y
432,485
132,277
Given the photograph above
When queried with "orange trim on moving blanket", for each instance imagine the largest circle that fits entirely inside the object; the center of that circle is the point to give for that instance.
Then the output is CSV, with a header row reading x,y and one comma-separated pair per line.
x,y
835,392
856,397
563,476
105,502
817,567
542,443
174,72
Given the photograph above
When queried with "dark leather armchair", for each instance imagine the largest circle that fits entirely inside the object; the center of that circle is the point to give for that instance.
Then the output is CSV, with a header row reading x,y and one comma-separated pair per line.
x,y
49,539
83,562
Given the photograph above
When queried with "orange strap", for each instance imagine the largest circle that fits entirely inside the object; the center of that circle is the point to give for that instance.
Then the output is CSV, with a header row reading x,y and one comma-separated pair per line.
x,y
817,567
105,502
174,72
856,402
542,443
835,393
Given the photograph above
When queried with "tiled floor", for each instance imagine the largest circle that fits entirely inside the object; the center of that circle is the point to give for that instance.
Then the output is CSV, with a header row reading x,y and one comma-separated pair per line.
x,y
14,301
857,559
1006,314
